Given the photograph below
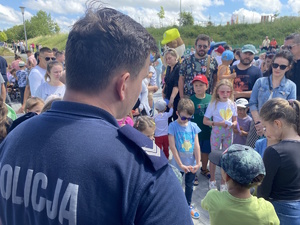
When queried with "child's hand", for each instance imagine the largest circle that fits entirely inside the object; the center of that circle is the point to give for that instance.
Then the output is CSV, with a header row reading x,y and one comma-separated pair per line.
x,y
233,75
194,169
185,169
223,124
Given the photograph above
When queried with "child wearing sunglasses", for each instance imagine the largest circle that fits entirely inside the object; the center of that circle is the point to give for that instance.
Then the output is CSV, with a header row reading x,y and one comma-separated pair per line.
x,y
184,144
223,110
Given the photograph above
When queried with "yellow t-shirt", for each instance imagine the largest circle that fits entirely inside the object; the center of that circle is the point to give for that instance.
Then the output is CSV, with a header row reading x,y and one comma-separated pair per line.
x,y
227,73
223,208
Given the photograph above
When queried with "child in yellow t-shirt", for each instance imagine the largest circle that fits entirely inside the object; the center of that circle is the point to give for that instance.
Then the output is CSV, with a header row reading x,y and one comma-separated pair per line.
x,y
223,69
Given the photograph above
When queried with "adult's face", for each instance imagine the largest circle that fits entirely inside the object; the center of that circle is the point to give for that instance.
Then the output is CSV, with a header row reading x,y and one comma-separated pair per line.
x,y
134,88
170,60
280,62
246,58
202,48
293,47
43,57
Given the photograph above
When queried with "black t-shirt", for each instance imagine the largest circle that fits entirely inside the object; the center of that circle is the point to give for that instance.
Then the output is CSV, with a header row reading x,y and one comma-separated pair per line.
x,y
282,180
171,80
295,77
245,79
3,65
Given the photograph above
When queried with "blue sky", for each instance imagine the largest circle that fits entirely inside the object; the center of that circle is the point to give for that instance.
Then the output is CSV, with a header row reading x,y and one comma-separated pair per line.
x,y
66,12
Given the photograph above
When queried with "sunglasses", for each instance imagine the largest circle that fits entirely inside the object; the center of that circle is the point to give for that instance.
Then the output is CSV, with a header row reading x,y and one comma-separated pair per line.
x,y
282,67
223,92
48,58
289,47
202,46
186,118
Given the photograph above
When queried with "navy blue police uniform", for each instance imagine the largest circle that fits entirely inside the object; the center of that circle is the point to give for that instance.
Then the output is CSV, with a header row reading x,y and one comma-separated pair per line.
x,y
74,165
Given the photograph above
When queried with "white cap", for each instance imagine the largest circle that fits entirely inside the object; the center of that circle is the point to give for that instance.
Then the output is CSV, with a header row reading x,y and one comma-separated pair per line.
x,y
160,105
242,102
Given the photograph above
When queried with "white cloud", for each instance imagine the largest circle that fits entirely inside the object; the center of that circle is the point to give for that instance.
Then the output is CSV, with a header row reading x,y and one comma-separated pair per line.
x,y
269,6
218,2
247,16
294,5
65,23
10,17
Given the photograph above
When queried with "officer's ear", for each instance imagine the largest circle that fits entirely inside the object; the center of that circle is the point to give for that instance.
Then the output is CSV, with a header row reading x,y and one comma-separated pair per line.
x,y
121,85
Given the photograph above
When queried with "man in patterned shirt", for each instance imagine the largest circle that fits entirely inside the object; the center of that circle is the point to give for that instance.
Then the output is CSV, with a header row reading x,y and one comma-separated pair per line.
x,y
197,64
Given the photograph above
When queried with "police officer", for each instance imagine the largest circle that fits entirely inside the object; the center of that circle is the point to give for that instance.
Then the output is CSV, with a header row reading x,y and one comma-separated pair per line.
x,y
73,164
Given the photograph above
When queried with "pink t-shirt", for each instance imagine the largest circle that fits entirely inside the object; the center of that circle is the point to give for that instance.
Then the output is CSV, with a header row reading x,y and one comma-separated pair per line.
x,y
125,120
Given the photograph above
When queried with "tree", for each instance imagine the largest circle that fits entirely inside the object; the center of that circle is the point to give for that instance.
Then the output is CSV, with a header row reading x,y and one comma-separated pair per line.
x,y
3,36
161,15
39,25
187,19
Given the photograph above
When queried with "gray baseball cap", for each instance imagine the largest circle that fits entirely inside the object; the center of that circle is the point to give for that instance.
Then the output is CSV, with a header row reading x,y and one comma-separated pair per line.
x,y
242,163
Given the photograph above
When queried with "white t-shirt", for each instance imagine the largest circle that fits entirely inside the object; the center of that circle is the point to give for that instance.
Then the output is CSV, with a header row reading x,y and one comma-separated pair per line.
x,y
221,111
153,78
45,90
36,78
161,123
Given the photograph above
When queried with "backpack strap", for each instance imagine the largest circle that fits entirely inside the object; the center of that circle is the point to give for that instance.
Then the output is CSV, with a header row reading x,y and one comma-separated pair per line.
x,y
207,66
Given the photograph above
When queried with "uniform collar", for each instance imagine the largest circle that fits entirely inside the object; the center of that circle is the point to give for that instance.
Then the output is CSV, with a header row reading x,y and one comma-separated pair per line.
x,y
84,110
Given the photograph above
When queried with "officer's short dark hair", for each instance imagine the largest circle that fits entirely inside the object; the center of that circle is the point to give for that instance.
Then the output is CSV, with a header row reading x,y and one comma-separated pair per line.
x,y
102,43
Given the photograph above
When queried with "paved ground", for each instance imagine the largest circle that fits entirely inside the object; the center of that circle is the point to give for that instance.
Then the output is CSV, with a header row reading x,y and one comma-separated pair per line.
x,y
200,190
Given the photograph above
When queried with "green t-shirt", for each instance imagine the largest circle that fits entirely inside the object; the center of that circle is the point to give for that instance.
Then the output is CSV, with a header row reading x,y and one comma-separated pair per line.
x,y
223,208
200,108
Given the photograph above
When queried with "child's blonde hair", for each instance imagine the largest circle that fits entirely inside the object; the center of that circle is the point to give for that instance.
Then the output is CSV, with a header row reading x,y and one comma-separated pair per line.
x,y
32,102
143,122
215,96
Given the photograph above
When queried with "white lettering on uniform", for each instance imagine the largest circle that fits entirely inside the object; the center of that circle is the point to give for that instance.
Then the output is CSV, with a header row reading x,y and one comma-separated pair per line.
x,y
64,210
6,172
70,194
16,199
38,205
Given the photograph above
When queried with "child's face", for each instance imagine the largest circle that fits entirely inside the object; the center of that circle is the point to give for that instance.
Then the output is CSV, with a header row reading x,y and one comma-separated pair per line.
x,y
36,109
199,87
271,130
242,112
224,92
183,117
149,132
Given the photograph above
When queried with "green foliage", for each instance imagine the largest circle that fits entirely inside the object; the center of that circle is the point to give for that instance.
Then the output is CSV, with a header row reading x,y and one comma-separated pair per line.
x,y
40,24
161,14
237,34
186,18
3,36
51,41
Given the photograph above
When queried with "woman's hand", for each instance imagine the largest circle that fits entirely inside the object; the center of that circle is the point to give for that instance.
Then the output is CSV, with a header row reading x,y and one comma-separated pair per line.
x,y
170,104
259,128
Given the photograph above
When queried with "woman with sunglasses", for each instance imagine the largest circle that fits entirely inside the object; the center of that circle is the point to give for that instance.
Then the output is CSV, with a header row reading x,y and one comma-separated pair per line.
x,y
277,85
170,89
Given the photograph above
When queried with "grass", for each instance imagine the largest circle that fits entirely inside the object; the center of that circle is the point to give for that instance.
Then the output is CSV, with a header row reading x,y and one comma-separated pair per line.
x,y
51,41
5,52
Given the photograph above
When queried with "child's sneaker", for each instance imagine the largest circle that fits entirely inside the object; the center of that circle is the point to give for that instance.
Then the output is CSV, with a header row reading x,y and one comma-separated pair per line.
x,y
194,213
213,185
223,187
